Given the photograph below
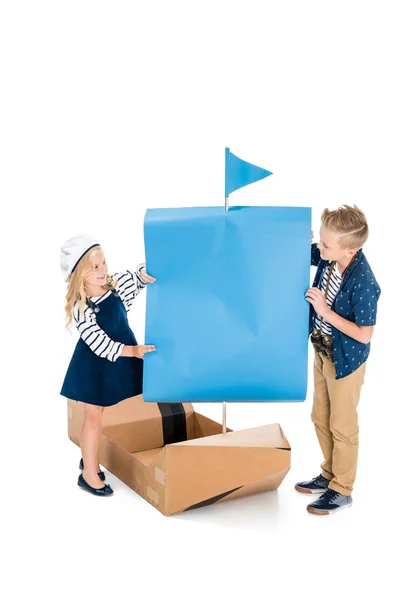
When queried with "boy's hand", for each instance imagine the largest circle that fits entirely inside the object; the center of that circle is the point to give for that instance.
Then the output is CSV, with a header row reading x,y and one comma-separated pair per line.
x,y
145,277
317,299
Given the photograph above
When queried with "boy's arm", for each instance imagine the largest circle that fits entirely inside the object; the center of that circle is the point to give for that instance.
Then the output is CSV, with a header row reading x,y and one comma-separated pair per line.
x,y
364,306
360,334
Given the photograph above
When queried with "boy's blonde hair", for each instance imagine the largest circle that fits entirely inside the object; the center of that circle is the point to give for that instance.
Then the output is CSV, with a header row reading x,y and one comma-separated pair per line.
x,y
349,222
76,285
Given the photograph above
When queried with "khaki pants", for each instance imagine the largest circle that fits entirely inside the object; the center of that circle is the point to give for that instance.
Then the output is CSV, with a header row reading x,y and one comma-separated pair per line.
x,y
335,417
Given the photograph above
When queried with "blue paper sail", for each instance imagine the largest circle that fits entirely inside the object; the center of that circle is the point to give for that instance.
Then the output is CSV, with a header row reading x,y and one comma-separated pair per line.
x,y
227,314
239,173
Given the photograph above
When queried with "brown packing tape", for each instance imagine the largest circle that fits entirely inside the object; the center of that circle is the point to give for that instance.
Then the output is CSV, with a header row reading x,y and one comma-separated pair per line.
x,y
159,475
145,462
152,495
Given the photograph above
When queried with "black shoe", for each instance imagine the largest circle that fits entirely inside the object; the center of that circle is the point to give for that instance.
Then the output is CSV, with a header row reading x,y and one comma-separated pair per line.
x,y
329,502
315,486
104,491
101,474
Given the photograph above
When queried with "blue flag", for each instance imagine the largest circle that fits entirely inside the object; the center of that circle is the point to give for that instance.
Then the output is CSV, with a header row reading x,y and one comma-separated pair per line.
x,y
239,173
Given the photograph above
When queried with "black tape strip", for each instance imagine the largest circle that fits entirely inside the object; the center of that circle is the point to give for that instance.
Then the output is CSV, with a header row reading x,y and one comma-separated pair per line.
x,y
213,499
173,422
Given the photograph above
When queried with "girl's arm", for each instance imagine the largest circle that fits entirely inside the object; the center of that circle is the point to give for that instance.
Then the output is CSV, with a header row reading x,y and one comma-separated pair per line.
x,y
137,351
129,285
97,340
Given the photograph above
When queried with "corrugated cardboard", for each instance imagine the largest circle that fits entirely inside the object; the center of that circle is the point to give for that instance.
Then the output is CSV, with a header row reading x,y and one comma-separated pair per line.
x,y
208,467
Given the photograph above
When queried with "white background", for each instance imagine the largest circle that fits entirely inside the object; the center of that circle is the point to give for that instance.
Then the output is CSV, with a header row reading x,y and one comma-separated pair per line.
x,y
108,108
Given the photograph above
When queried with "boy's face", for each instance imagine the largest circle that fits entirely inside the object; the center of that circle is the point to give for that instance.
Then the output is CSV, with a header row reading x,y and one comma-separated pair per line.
x,y
330,248
97,275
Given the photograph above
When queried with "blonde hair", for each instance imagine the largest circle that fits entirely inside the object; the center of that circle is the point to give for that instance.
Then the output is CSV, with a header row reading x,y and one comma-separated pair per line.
x,y
76,285
349,222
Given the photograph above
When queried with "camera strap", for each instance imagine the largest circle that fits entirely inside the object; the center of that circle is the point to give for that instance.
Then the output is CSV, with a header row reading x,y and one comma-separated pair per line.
x,y
326,290
329,278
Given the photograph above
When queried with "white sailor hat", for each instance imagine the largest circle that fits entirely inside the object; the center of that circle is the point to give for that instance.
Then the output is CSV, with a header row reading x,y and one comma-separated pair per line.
x,y
73,250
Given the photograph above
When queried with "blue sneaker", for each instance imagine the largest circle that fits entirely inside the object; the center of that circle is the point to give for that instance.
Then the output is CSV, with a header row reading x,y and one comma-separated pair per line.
x,y
315,486
329,502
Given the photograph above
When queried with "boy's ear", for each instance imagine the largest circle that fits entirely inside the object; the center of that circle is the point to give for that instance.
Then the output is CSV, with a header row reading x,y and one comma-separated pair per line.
x,y
351,252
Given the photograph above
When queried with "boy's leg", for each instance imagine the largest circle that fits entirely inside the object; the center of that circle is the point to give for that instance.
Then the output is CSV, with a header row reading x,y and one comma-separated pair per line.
x,y
344,396
320,415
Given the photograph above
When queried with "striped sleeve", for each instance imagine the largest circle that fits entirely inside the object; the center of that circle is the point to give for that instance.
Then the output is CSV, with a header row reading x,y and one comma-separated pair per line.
x,y
129,286
97,340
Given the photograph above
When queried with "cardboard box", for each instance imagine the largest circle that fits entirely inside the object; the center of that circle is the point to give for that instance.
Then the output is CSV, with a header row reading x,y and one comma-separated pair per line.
x,y
141,444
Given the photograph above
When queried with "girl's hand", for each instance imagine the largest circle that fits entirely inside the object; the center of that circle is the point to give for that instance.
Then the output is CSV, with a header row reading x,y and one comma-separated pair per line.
x,y
145,277
317,299
136,351
140,351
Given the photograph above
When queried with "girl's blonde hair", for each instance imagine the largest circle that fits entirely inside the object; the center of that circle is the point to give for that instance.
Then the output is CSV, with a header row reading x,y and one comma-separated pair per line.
x,y
76,285
349,222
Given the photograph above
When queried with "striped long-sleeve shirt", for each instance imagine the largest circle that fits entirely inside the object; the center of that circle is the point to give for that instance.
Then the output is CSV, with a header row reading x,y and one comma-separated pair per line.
x,y
128,287
334,285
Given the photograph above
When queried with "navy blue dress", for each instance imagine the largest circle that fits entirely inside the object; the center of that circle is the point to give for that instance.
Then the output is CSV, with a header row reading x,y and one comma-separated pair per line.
x,y
96,380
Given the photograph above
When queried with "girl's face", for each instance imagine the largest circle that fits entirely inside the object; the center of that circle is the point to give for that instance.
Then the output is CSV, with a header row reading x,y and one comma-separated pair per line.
x,y
97,275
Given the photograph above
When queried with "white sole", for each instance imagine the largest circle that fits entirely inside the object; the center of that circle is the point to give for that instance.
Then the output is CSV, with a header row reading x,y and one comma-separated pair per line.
x,y
307,491
316,511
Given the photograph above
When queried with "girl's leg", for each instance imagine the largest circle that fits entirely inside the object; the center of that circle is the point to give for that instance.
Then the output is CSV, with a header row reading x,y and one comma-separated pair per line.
x,y
98,440
90,441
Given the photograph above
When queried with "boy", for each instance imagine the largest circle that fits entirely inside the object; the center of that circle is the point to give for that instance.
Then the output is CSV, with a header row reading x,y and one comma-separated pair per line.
x,y
342,318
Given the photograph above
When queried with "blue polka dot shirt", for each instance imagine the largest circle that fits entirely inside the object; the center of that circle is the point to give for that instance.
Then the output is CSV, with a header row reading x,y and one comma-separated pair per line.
x,y
356,301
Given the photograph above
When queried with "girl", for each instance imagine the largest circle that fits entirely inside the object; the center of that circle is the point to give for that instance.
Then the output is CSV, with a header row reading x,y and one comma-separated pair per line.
x,y
107,364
